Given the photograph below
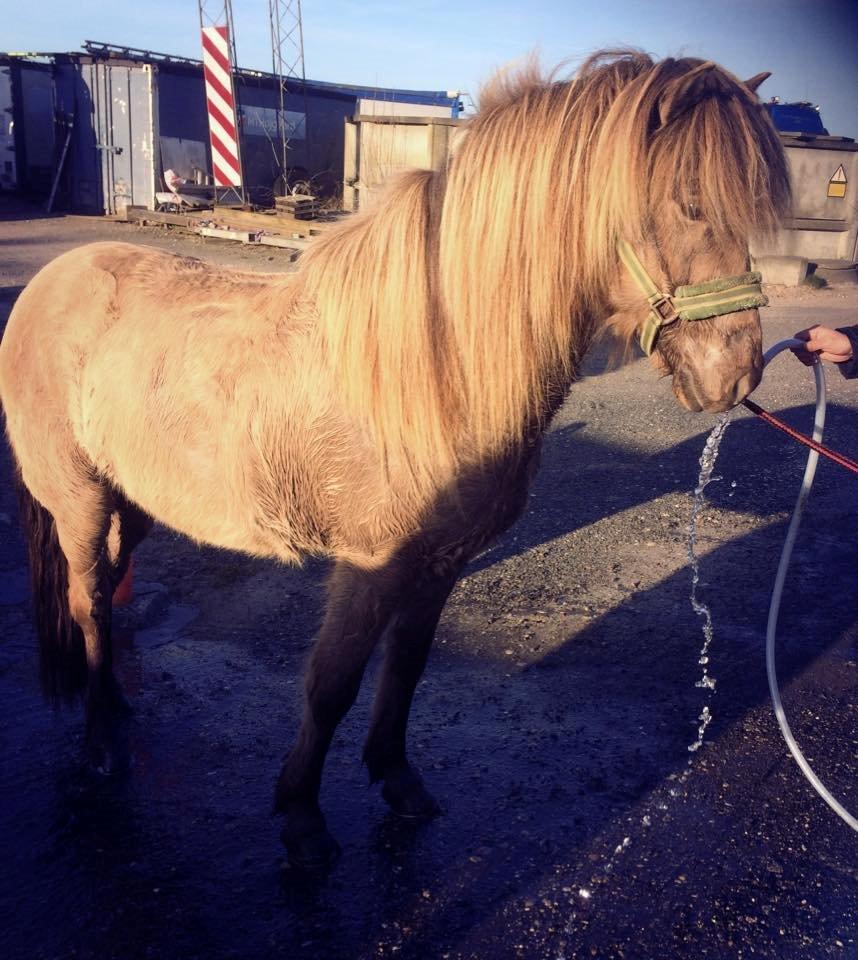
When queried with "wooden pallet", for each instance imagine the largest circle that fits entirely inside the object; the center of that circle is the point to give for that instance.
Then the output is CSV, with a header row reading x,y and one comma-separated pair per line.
x,y
299,205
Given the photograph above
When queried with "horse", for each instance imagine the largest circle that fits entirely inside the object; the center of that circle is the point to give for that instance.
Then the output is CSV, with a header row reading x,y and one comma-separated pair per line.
x,y
384,405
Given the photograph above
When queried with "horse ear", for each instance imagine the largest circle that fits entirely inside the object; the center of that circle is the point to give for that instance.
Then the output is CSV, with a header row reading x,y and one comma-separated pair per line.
x,y
757,79
686,91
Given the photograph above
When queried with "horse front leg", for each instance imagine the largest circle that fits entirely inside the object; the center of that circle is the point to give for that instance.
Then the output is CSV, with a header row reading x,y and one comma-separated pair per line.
x,y
408,643
357,612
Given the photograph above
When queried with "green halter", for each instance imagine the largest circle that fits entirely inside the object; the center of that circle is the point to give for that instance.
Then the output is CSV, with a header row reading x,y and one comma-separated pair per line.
x,y
697,301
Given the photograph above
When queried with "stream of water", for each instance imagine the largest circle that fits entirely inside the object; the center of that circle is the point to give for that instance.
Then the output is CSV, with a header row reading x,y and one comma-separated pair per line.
x,y
707,466
583,895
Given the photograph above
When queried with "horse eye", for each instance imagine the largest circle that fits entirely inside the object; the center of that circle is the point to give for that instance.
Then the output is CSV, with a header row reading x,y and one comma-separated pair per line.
x,y
693,211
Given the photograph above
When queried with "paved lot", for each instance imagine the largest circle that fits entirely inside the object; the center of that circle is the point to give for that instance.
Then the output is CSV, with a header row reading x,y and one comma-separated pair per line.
x,y
553,721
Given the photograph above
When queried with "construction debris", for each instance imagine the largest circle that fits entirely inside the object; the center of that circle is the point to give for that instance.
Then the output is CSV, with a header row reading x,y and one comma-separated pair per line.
x,y
274,229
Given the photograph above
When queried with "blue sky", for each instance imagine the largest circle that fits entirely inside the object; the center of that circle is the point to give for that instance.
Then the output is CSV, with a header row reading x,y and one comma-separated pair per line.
x,y
811,46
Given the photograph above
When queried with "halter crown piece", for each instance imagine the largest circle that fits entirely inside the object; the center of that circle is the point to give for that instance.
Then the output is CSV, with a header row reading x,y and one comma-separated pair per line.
x,y
697,301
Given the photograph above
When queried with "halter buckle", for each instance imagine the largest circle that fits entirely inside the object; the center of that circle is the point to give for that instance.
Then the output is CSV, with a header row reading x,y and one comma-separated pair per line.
x,y
662,306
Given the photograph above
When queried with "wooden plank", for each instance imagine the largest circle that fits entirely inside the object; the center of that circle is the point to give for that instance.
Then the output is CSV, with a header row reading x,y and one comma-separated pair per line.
x,y
244,236
285,243
295,198
408,121
277,222
220,215
806,223
142,214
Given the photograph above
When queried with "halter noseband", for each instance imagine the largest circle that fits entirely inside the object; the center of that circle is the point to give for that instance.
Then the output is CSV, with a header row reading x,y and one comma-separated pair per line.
x,y
697,301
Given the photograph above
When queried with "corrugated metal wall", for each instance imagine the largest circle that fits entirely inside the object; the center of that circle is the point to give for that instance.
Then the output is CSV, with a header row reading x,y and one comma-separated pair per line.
x,y
27,145
8,172
133,120
315,144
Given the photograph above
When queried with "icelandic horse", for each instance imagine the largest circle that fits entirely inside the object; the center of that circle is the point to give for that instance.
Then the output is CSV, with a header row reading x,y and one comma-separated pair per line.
x,y
384,405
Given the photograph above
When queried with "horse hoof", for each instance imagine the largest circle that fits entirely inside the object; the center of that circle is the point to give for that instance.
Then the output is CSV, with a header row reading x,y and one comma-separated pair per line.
x,y
108,759
109,765
313,852
107,749
407,796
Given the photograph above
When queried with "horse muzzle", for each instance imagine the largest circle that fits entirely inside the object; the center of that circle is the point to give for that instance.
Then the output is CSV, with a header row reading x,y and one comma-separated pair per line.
x,y
713,392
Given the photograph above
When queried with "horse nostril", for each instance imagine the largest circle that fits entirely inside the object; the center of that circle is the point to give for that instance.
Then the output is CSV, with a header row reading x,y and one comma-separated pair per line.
x,y
743,386
685,390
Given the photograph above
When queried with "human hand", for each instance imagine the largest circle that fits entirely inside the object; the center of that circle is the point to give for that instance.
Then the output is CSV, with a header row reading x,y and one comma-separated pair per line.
x,y
823,343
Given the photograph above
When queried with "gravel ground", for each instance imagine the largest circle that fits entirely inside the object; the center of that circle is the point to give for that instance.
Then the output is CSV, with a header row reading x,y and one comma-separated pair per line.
x,y
553,721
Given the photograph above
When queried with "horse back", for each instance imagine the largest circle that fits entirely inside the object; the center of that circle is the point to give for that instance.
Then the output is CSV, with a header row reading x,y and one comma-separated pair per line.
x,y
158,366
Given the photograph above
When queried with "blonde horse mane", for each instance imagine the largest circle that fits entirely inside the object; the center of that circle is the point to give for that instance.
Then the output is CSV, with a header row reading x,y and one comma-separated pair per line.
x,y
454,314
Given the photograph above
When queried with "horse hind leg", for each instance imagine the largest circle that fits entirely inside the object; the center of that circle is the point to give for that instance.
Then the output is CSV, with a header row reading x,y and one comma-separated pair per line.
x,y
62,654
83,535
357,612
408,642
68,531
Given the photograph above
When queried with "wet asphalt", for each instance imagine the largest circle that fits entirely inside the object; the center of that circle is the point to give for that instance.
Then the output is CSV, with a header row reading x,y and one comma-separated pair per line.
x,y
552,722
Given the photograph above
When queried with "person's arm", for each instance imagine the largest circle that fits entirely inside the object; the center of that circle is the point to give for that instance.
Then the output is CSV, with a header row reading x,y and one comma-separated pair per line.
x,y
849,368
836,346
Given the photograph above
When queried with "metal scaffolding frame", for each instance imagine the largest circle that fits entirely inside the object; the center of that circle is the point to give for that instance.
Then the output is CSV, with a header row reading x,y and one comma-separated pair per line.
x,y
287,58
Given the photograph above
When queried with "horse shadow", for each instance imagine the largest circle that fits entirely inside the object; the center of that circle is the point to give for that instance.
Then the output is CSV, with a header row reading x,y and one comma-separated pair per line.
x,y
582,481
547,757
593,736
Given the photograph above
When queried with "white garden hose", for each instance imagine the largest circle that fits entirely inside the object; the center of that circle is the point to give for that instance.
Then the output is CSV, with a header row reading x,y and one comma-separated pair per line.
x,y
774,606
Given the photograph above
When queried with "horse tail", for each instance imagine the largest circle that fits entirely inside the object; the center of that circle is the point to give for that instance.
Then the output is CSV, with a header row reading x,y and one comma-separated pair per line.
x,y
62,653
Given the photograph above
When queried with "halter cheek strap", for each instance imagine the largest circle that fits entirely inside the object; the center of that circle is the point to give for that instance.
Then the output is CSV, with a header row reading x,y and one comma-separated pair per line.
x,y
696,301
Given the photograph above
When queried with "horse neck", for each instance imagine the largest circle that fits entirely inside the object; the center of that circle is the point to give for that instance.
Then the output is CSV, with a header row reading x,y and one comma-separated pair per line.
x,y
518,328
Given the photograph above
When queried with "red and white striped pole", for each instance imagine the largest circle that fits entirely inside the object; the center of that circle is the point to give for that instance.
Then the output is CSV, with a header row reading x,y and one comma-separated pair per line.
x,y
220,100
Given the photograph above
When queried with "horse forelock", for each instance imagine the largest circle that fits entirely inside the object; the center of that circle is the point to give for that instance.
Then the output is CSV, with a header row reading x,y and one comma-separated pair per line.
x,y
686,133
455,312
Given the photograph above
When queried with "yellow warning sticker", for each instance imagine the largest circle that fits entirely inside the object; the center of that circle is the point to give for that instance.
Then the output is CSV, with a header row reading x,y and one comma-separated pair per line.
x,y
837,183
